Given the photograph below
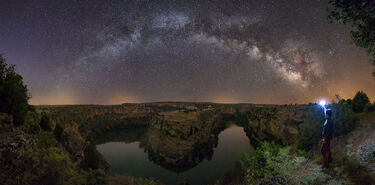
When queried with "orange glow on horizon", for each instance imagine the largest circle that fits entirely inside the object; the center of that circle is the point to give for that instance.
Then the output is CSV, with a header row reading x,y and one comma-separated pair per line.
x,y
59,98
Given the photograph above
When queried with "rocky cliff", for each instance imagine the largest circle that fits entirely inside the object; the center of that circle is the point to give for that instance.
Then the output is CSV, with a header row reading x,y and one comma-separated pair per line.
x,y
179,140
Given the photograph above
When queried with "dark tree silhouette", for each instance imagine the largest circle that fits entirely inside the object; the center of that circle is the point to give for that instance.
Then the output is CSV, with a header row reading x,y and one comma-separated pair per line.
x,y
92,156
58,131
360,14
13,93
359,101
45,123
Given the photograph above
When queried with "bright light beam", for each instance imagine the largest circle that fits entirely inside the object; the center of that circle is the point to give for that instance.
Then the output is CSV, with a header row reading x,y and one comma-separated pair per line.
x,y
322,103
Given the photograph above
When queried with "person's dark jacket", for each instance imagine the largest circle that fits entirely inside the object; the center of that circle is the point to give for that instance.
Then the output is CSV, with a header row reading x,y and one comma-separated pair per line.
x,y
328,129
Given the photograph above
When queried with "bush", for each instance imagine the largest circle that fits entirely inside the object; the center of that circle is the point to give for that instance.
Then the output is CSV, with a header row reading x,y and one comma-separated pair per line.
x,y
96,177
58,131
45,122
370,107
48,163
343,122
272,164
30,125
13,93
344,119
92,157
359,101
52,166
311,129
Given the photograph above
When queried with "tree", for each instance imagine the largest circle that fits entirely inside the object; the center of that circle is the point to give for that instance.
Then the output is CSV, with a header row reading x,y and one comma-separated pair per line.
x,y
370,107
360,14
91,156
45,123
58,131
311,129
13,93
344,118
344,122
359,101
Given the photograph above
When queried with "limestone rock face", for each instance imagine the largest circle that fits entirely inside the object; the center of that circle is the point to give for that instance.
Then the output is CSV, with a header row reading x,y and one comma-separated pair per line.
x,y
281,124
180,140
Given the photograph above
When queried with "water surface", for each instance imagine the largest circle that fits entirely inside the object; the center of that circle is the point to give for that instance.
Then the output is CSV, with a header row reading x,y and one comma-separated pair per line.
x,y
132,160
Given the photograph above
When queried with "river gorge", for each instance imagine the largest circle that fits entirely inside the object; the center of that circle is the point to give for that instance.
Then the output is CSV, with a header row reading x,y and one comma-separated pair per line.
x,y
132,158
171,142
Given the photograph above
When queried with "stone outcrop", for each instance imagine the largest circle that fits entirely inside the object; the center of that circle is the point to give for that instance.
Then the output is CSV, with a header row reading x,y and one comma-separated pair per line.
x,y
281,124
180,140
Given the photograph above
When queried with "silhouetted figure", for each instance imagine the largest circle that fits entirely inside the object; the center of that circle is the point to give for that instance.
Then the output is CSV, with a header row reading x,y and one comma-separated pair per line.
x,y
327,137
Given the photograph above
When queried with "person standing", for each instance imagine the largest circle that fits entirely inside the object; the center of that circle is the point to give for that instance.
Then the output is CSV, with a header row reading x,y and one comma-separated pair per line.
x,y
327,138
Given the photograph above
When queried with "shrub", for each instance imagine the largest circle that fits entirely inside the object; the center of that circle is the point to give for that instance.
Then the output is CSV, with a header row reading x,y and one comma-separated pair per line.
x,y
370,107
30,125
272,164
58,131
349,101
344,118
95,177
311,129
45,122
359,101
52,166
92,157
13,93
47,163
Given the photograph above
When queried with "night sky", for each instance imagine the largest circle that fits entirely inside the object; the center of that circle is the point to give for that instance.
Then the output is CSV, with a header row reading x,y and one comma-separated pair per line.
x,y
112,52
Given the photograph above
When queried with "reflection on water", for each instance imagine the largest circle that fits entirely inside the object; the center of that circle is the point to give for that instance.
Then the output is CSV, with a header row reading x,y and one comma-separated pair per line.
x,y
132,160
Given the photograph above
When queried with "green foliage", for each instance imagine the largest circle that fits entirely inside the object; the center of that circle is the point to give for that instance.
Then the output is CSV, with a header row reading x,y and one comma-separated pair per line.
x,y
272,164
52,166
344,118
92,156
30,126
359,101
119,179
13,93
46,139
311,129
49,163
185,181
370,107
361,15
45,122
349,102
344,122
58,131
97,176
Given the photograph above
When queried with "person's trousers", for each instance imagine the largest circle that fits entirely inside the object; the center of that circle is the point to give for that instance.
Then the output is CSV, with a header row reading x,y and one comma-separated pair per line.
x,y
326,151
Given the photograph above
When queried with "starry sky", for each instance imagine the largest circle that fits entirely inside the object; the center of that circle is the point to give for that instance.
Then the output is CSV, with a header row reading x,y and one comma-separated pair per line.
x,y
117,51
